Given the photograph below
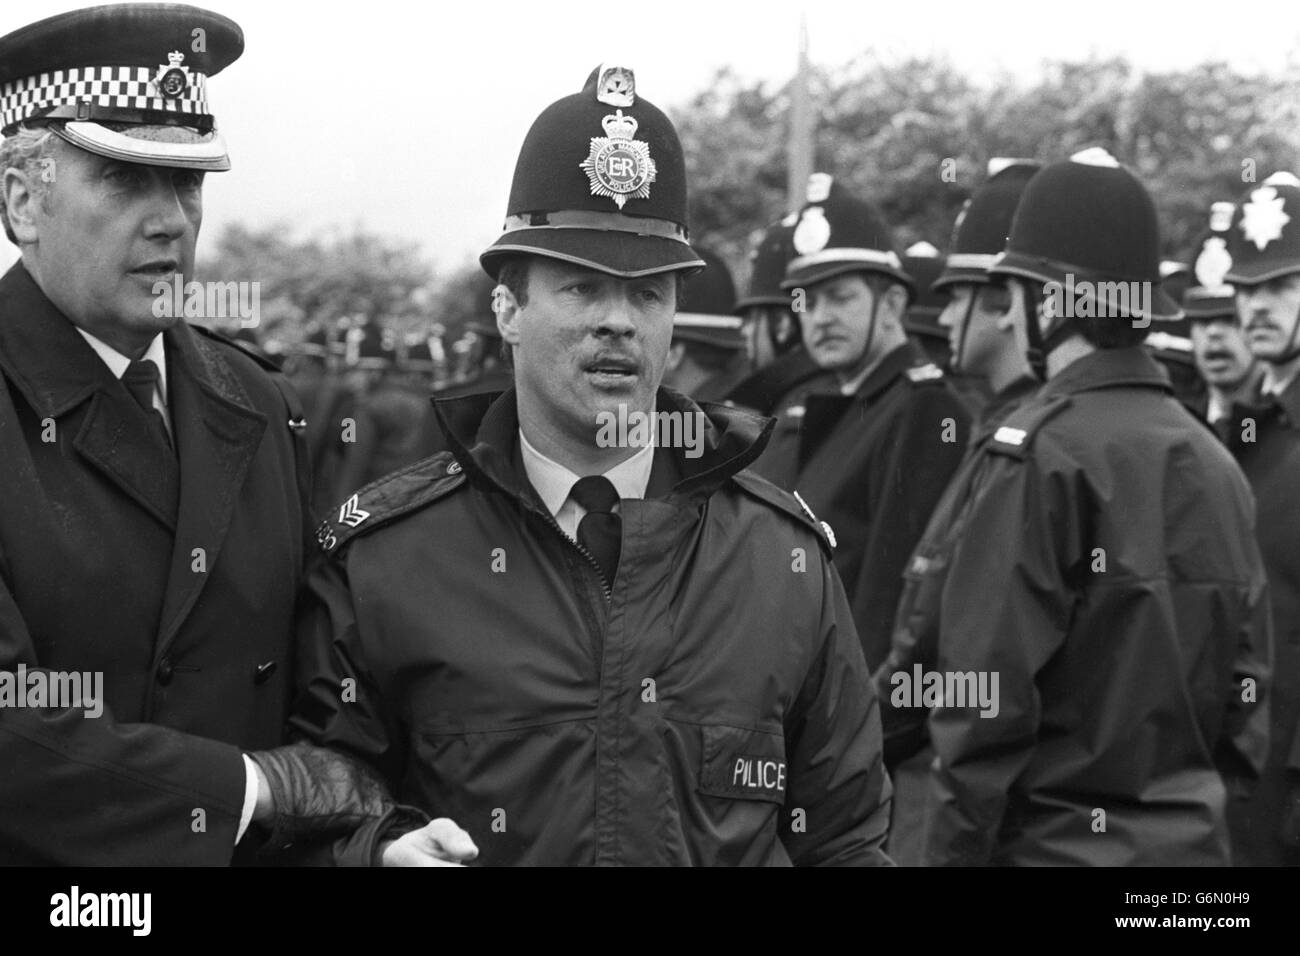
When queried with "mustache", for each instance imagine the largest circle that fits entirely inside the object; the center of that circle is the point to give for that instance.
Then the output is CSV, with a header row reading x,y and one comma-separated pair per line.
x,y
616,359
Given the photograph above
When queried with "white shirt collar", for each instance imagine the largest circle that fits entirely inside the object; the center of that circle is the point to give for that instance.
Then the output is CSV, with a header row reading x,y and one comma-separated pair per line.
x,y
553,481
1271,385
117,362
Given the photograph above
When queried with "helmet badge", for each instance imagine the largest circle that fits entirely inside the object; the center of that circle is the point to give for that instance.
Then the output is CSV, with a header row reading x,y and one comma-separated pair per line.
x,y
618,166
1213,263
813,231
1262,218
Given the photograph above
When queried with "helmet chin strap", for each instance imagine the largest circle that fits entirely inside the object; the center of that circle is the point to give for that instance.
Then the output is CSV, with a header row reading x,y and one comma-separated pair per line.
x,y
1041,346
954,353
1292,346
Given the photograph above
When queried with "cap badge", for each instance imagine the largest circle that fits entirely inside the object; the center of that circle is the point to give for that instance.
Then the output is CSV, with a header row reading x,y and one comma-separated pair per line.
x,y
1262,218
813,231
619,166
1213,263
172,78
616,86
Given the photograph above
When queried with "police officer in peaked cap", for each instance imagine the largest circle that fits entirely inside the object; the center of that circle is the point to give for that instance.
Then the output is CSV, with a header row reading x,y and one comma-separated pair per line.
x,y
154,474
571,614
1264,433
1219,348
845,448
780,361
1107,575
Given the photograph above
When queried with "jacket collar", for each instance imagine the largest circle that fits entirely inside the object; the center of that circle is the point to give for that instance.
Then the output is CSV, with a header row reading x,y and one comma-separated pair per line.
x,y
40,350
1288,399
217,431
893,365
1109,368
482,433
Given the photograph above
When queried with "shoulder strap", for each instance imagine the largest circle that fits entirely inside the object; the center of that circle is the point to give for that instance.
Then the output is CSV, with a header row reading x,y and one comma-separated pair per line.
x,y
392,496
1016,434
791,505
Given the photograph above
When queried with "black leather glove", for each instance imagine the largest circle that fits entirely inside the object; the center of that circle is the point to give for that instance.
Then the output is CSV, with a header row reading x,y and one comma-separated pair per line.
x,y
319,793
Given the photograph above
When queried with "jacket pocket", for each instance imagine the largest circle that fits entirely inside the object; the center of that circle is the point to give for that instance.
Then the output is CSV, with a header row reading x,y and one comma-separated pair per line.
x,y
742,764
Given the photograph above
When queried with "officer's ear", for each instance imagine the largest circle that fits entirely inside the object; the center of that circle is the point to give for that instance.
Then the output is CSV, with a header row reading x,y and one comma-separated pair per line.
x,y
676,352
893,303
21,196
506,309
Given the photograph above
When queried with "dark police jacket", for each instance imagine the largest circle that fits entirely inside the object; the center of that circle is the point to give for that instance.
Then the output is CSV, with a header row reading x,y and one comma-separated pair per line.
x,y
915,637
872,465
1108,575
713,708
177,581
1266,823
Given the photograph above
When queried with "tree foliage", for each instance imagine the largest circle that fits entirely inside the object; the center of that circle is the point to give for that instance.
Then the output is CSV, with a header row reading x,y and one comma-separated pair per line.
x,y
891,129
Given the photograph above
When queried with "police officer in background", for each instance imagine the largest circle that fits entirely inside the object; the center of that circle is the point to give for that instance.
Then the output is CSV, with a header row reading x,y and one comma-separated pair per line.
x,y
1223,358
582,647
923,263
707,357
780,361
154,475
1107,577
985,349
1264,434
872,454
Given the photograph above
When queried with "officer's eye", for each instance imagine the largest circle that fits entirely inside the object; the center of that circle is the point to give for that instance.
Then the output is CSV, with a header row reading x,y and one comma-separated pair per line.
x,y
651,295
580,288
188,179
122,175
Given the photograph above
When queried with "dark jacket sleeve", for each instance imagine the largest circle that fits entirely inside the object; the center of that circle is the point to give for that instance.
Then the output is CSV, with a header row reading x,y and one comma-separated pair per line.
x,y
904,487
339,703
915,637
1243,747
88,791
837,803
1005,611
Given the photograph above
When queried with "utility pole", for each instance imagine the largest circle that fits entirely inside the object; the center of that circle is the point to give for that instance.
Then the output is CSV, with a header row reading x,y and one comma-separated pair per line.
x,y
799,148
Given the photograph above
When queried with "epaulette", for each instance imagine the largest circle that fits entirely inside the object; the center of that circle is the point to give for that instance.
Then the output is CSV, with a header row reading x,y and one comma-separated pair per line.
x,y
1016,434
392,496
790,504
925,374
244,349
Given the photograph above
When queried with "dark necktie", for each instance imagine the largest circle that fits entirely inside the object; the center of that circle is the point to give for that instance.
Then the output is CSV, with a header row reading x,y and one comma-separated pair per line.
x,y
600,531
140,379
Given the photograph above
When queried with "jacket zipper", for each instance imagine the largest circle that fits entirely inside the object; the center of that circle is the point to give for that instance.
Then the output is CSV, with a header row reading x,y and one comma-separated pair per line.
x,y
591,560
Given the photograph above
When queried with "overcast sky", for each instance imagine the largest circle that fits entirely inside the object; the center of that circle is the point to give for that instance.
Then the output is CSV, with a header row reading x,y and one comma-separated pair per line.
x,y
406,119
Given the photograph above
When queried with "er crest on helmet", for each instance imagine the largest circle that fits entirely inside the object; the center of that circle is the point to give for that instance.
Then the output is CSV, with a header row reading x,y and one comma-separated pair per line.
x,y
619,166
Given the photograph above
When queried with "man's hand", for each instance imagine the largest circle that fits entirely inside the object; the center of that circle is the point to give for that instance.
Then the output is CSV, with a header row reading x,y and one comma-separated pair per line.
x,y
440,843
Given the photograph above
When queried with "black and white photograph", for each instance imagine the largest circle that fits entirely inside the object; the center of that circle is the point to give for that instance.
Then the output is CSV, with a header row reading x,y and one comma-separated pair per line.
x,y
656,434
